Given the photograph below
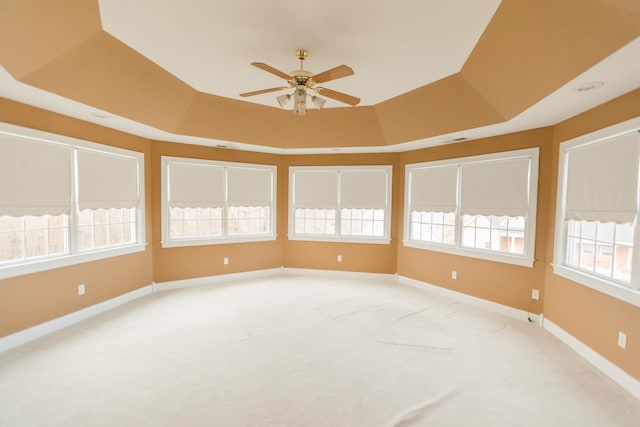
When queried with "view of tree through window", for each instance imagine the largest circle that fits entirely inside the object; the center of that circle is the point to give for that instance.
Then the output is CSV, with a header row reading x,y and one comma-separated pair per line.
x,y
101,228
195,222
340,203
434,227
315,221
206,201
243,220
32,237
362,222
65,201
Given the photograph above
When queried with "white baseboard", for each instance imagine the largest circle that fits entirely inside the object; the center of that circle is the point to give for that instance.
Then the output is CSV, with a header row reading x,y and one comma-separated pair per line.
x,y
30,334
626,381
338,273
494,307
198,281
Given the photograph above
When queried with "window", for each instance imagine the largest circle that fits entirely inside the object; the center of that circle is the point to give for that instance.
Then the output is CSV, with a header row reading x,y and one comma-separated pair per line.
x,y
434,227
480,206
65,201
208,202
495,233
347,203
596,226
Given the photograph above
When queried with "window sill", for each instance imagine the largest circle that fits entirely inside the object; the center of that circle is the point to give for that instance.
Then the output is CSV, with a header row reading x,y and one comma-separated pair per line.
x,y
628,295
67,260
219,241
489,256
338,239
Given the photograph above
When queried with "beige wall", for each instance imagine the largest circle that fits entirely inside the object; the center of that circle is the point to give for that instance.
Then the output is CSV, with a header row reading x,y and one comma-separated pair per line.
x,y
32,299
592,317
200,261
498,282
374,258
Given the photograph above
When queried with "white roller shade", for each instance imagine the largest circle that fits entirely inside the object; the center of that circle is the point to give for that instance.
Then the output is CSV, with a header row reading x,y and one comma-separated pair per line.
x,y
249,187
602,181
195,186
434,189
106,180
499,187
35,177
365,189
316,189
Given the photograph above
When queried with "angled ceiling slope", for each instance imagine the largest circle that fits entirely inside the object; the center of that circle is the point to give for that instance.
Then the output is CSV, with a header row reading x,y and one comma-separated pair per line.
x,y
526,53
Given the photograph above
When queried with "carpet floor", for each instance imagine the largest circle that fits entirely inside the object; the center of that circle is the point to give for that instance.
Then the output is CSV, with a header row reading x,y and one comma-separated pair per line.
x,y
305,351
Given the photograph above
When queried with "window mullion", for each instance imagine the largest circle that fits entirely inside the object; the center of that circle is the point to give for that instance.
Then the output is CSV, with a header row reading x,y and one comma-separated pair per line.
x,y
24,237
613,251
338,208
458,218
74,215
225,203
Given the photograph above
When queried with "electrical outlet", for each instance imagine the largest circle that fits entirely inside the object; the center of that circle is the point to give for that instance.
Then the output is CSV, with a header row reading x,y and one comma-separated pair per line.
x,y
81,289
454,275
339,258
225,261
535,294
622,340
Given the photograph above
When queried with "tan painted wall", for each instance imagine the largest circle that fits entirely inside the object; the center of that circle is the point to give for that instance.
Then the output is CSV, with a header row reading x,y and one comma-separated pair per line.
x,y
201,261
373,258
32,299
590,316
498,282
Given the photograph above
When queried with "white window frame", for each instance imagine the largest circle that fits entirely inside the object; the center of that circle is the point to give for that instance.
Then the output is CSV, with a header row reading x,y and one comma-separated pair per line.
x,y
527,259
384,240
75,256
167,242
631,294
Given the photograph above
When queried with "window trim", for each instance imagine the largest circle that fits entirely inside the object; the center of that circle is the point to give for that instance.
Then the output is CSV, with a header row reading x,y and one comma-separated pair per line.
x,y
527,259
384,240
630,295
75,256
166,242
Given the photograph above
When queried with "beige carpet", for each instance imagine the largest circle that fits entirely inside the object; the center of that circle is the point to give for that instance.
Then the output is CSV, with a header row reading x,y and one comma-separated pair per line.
x,y
304,351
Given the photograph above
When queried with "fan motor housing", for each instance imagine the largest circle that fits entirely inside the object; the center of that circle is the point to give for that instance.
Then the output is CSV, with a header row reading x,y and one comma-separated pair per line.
x,y
302,78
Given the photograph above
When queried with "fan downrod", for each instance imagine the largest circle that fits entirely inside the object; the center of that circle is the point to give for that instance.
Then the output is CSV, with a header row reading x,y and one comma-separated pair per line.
x,y
302,55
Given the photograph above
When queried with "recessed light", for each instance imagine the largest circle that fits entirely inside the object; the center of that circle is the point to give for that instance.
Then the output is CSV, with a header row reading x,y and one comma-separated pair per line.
x,y
99,115
585,87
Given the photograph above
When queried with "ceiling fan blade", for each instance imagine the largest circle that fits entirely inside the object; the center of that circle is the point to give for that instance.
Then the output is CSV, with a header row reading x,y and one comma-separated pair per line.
x,y
338,96
270,69
335,73
258,92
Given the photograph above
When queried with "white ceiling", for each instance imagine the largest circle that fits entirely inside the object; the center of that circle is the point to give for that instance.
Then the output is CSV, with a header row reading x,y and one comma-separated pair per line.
x,y
393,47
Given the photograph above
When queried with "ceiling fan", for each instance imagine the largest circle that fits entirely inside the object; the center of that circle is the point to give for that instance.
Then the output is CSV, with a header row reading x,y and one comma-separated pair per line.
x,y
304,84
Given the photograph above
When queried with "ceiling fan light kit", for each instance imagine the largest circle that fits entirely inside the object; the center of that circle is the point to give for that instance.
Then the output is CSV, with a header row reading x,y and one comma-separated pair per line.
x,y
304,83
318,102
283,99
